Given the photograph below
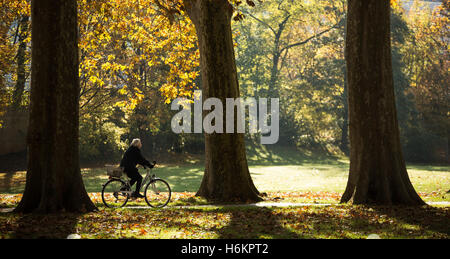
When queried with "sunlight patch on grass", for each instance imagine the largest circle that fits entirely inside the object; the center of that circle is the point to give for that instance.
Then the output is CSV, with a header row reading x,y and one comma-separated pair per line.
x,y
299,178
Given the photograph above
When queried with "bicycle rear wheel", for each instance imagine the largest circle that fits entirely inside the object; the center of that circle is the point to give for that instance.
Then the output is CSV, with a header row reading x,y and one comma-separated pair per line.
x,y
113,194
157,193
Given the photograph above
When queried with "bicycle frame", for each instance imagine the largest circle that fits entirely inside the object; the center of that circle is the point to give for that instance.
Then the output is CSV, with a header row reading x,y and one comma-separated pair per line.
x,y
148,178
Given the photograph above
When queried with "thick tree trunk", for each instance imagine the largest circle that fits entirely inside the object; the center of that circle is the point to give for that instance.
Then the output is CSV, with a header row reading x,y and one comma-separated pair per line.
x,y
344,146
377,169
54,182
226,177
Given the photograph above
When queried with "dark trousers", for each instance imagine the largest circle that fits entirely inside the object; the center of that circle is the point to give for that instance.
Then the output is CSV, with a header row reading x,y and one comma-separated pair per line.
x,y
135,176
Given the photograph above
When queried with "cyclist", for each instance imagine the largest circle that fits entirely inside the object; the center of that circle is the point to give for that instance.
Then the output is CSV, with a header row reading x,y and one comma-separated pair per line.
x,y
131,158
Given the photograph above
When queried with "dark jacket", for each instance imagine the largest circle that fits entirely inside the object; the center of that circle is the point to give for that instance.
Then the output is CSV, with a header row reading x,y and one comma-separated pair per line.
x,y
132,157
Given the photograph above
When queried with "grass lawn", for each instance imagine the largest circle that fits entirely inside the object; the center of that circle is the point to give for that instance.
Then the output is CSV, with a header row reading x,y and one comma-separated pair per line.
x,y
285,175
339,221
283,172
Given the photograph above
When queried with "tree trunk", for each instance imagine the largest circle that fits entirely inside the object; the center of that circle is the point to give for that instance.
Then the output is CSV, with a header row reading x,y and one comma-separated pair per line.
x,y
274,73
276,55
53,182
344,136
377,169
21,78
226,177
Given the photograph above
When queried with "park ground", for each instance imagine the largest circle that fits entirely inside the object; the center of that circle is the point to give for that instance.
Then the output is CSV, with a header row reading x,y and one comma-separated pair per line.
x,y
312,184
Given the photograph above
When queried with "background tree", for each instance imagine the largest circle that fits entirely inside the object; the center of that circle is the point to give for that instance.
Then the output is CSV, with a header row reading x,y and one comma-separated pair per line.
x,y
14,56
305,39
426,62
377,169
292,24
22,31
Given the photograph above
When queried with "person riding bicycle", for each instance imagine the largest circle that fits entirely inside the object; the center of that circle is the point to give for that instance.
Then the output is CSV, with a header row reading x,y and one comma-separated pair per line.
x,y
131,158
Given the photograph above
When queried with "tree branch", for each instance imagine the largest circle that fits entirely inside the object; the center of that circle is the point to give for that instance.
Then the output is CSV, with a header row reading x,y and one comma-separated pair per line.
x,y
262,22
310,38
169,12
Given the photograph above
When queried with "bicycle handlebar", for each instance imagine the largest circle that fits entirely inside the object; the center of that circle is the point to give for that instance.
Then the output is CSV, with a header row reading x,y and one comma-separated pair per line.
x,y
154,163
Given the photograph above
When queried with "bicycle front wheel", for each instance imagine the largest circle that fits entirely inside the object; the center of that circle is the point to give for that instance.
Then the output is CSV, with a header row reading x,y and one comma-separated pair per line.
x,y
114,194
157,193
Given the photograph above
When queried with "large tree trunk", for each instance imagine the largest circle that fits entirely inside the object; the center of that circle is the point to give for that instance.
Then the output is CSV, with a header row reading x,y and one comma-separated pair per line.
x,y
377,169
226,177
53,182
344,129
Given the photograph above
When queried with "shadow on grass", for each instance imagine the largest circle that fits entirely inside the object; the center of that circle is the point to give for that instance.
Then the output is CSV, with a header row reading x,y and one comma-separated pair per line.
x,y
278,155
6,183
245,223
13,162
237,223
427,217
10,166
36,226
255,224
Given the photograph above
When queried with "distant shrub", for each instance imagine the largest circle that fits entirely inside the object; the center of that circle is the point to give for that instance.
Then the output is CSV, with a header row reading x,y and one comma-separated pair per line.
x,y
100,141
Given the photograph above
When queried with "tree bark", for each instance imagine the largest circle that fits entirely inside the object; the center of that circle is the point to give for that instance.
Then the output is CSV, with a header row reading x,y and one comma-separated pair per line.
x,y
344,145
226,177
53,182
377,169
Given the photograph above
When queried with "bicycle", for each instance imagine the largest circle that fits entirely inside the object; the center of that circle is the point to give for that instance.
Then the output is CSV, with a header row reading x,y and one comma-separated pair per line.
x,y
117,191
